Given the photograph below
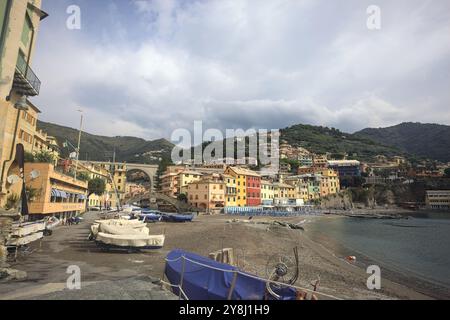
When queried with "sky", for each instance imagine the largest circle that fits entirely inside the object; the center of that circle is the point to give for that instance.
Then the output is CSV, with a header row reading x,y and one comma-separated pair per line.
x,y
146,68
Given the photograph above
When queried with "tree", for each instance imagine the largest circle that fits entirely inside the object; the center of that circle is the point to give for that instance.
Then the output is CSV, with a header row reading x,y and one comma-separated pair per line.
x,y
29,157
182,197
447,173
44,157
96,186
83,176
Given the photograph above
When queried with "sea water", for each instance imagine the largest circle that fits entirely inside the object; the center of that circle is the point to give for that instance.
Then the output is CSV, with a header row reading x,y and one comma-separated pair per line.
x,y
415,247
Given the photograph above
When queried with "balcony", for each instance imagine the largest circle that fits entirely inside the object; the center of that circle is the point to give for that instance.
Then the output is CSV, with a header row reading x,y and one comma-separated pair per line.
x,y
25,80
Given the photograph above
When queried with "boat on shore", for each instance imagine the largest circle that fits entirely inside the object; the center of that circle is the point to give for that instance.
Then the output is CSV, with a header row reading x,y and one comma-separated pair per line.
x,y
172,217
24,233
201,278
130,241
124,234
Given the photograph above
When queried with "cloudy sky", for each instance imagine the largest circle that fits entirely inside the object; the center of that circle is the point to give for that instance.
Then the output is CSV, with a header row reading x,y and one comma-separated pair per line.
x,y
146,68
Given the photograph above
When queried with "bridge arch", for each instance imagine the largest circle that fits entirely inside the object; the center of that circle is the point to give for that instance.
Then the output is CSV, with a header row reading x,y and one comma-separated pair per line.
x,y
149,169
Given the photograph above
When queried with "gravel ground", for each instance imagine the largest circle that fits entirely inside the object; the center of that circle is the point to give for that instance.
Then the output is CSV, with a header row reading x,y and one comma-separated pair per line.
x,y
47,261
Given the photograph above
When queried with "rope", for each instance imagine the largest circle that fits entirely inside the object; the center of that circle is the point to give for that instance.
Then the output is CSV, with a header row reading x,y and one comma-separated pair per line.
x,y
175,286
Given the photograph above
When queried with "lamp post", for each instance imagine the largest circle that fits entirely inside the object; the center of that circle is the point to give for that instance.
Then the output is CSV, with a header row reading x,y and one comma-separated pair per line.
x,y
79,142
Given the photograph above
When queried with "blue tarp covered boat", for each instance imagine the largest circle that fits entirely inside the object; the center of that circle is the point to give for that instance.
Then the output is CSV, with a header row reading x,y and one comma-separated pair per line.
x,y
177,217
206,279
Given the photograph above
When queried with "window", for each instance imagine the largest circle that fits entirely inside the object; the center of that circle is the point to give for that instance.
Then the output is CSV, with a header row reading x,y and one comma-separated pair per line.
x,y
26,31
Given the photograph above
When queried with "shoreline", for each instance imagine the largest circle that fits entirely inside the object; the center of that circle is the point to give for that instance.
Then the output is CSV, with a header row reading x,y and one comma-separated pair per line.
x,y
394,277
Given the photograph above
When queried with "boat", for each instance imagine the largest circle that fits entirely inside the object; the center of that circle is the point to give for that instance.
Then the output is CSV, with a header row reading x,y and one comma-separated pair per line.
x,y
201,278
51,223
118,226
24,240
124,234
26,228
171,217
150,217
130,241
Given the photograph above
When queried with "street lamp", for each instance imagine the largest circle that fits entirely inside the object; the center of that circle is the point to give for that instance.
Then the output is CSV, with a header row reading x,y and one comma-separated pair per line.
x,y
79,142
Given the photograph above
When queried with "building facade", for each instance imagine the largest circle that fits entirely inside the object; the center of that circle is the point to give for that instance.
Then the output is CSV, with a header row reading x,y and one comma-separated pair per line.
x,y
52,193
19,25
207,194
438,199
346,168
329,184
267,192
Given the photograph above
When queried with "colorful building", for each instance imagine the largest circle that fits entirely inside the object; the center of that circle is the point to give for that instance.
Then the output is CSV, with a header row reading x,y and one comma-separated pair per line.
x,y
241,180
253,181
283,193
207,194
231,190
267,192
329,183
300,184
184,178
52,193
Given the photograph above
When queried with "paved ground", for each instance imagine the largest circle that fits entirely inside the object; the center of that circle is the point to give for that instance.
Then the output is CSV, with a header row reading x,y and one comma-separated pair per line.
x,y
47,262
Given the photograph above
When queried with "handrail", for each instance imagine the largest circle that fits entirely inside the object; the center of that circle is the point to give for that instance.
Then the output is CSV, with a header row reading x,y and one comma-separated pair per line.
x,y
28,73
255,277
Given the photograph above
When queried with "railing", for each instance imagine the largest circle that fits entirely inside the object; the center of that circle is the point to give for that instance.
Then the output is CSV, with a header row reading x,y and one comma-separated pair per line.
x,y
28,75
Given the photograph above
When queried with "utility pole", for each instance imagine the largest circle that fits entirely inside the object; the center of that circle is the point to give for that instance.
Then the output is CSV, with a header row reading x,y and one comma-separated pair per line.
x,y
79,142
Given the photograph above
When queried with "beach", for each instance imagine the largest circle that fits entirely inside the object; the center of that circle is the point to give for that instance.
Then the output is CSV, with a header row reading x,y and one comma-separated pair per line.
x,y
253,244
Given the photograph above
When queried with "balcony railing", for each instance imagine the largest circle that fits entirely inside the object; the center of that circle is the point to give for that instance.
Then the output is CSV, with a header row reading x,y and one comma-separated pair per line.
x,y
25,80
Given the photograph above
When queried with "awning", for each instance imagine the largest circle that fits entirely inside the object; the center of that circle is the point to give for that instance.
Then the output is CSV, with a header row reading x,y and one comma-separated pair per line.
x,y
63,194
82,196
55,193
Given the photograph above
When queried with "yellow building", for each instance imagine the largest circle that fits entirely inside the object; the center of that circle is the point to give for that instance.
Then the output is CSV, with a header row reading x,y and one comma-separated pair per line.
x,y
329,183
300,186
207,194
52,193
267,192
116,182
283,192
241,190
184,178
231,190
19,23
97,171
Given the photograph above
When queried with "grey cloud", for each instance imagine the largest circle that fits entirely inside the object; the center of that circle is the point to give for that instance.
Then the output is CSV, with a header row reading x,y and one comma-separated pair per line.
x,y
242,64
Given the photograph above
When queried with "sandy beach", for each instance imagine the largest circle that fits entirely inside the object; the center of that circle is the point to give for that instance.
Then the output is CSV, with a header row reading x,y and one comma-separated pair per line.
x,y
46,262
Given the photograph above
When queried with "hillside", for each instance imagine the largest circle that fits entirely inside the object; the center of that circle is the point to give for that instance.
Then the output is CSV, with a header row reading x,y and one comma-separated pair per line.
x,y
322,140
100,148
430,141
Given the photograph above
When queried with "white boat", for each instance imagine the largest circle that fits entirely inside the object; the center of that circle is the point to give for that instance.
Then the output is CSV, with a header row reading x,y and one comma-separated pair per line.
x,y
130,241
52,223
21,241
27,228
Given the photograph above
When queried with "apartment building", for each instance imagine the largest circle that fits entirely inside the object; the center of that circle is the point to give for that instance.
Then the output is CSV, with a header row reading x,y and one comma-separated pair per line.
x,y
207,194
267,192
19,25
329,184
51,192
438,199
